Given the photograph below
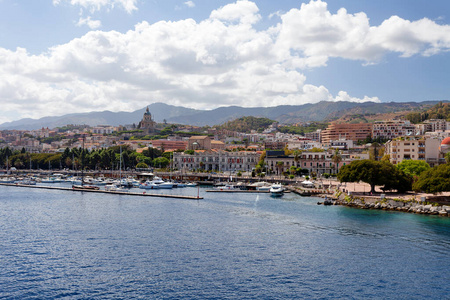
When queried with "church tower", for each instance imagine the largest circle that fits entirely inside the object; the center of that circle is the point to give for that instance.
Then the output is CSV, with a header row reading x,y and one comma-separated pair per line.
x,y
147,124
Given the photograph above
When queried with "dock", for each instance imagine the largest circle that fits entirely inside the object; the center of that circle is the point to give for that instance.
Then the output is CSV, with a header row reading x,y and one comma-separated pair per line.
x,y
142,194
236,191
241,191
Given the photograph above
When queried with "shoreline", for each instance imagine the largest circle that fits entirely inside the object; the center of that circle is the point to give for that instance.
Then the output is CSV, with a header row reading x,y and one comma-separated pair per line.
x,y
390,204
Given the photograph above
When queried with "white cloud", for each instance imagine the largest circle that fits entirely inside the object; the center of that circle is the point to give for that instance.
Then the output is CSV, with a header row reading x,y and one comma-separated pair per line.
x,y
95,5
318,35
242,11
222,60
189,4
92,24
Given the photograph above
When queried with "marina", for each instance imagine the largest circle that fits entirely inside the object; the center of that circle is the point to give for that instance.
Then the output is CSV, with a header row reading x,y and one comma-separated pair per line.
x,y
112,192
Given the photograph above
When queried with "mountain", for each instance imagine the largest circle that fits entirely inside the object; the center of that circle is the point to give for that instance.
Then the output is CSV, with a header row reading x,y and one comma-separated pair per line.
x,y
160,111
322,111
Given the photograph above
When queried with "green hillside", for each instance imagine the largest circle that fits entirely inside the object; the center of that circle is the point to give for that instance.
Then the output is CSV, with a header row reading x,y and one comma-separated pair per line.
x,y
247,124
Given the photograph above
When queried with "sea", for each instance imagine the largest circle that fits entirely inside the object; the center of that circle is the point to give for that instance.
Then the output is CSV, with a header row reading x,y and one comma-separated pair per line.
x,y
79,245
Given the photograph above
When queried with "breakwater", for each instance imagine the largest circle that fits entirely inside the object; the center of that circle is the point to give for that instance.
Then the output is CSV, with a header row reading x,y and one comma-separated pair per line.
x,y
392,204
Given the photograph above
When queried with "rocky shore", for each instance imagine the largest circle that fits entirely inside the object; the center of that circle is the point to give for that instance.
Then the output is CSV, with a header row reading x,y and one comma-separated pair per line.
x,y
371,202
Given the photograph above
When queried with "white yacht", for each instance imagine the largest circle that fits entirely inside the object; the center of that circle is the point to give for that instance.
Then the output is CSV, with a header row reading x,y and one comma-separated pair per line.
x,y
276,190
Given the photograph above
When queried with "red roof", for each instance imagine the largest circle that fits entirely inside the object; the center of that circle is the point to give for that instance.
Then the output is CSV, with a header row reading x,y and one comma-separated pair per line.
x,y
446,141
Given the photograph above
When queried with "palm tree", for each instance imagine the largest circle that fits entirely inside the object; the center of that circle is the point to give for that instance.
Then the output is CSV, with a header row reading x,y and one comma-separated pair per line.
x,y
297,156
337,158
280,165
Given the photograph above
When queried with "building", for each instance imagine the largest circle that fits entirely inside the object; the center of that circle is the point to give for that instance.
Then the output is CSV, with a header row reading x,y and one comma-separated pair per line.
x,y
103,129
221,161
389,130
314,162
341,144
199,143
166,145
434,125
353,132
315,135
147,125
414,148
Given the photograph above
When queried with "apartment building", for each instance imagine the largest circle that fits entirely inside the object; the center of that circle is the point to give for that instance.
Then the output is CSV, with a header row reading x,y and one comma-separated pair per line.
x,y
392,129
317,162
415,148
354,132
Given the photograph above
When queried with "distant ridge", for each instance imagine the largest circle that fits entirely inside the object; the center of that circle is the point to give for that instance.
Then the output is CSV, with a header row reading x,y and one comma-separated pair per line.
x,y
177,114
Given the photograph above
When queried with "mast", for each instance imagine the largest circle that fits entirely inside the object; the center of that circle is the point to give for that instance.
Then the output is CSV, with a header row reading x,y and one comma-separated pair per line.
x,y
120,165
82,162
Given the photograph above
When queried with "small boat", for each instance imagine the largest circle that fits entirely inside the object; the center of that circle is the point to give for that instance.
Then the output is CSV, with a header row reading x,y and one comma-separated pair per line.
x,y
52,180
26,182
85,187
148,185
226,187
260,186
7,180
276,190
115,188
191,184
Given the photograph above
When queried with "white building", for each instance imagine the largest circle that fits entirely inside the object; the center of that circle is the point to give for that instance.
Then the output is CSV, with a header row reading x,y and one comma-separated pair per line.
x,y
414,148
221,161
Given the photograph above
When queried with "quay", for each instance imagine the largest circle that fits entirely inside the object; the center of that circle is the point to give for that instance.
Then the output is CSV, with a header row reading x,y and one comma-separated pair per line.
x,y
241,191
236,191
143,194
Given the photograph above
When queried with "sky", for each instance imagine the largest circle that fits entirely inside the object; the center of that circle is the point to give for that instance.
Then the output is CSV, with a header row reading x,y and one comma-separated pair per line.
x,y
71,56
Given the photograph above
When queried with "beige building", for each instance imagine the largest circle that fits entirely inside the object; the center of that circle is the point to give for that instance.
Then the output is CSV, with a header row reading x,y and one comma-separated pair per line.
x,y
354,132
199,143
392,129
222,161
414,148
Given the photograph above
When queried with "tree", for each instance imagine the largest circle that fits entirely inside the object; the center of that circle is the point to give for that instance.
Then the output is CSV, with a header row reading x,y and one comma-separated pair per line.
x,y
337,158
376,151
447,157
280,165
434,180
161,162
297,156
413,167
375,173
141,165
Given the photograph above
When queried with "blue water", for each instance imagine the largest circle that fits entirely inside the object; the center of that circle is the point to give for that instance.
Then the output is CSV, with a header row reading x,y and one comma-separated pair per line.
x,y
74,245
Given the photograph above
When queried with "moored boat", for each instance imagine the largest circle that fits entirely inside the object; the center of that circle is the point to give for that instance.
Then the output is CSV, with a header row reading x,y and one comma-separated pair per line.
x,y
276,190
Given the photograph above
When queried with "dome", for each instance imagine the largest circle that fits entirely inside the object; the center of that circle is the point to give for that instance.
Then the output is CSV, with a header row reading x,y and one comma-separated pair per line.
x,y
446,141
445,145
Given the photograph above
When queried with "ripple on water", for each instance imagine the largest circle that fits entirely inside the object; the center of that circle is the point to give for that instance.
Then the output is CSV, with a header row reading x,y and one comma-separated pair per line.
x,y
226,246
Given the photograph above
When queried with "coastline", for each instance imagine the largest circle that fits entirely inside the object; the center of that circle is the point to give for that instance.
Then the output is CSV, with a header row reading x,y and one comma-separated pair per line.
x,y
422,206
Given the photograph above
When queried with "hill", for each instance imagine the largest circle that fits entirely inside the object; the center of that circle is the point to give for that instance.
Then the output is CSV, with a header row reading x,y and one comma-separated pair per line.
x,y
284,114
247,124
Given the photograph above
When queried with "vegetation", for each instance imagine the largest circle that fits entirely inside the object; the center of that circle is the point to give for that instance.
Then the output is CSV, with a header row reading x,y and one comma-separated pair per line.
x,y
247,124
438,111
310,127
413,167
434,180
376,173
101,159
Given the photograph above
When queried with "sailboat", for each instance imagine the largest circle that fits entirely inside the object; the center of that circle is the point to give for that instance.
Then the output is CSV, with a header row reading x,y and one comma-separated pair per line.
x,y
118,185
83,186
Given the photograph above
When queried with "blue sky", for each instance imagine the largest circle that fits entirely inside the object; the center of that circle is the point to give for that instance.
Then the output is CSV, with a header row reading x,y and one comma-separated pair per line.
x,y
65,56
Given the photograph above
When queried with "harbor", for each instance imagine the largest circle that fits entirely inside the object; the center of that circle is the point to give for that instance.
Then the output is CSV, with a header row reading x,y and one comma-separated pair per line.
x,y
144,193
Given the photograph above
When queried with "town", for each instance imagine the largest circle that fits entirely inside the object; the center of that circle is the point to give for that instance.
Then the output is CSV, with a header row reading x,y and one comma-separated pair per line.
x,y
262,152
